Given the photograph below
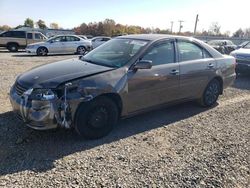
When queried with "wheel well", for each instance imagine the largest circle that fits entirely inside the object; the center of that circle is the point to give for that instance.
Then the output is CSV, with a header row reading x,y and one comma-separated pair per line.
x,y
116,98
42,47
9,43
221,83
81,46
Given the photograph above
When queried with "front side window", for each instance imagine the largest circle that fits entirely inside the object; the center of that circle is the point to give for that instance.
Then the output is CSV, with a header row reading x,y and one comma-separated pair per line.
x,y
38,36
115,52
57,39
161,54
189,51
7,34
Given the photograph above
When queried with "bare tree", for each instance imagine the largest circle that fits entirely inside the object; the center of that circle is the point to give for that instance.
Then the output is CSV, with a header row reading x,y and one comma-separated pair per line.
x,y
215,28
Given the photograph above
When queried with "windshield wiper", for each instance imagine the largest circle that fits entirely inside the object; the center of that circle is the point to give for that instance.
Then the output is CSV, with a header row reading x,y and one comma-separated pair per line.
x,y
97,63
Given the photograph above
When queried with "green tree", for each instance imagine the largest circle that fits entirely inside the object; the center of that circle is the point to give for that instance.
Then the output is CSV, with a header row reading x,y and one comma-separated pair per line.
x,y
5,28
29,23
54,25
41,24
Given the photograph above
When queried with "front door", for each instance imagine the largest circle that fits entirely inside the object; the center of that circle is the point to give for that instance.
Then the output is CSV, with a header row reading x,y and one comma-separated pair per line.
x,y
155,86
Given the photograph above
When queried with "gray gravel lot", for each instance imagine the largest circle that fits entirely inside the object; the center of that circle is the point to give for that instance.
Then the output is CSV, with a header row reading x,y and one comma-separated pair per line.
x,y
180,146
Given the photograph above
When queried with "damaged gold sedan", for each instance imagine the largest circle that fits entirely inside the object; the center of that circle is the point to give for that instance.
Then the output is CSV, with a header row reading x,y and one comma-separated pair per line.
x,y
123,77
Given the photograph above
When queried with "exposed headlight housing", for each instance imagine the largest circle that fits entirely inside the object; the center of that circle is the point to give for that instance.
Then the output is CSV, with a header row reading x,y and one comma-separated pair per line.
x,y
42,94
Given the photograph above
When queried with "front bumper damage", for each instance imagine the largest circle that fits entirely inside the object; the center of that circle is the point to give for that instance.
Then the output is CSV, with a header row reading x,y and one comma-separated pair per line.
x,y
43,114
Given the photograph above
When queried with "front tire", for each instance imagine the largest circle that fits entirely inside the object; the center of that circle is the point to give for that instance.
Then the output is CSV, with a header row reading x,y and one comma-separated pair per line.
x,y
12,47
81,50
96,119
42,51
211,93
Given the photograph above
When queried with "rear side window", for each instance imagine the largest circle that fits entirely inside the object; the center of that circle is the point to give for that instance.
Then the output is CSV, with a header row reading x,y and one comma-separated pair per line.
x,y
189,51
29,36
161,54
71,38
18,34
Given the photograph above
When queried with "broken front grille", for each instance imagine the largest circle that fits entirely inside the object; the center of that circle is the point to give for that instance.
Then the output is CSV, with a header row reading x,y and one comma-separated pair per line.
x,y
19,89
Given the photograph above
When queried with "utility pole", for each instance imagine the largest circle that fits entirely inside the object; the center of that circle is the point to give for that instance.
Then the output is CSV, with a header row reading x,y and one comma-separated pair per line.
x,y
181,26
196,21
172,23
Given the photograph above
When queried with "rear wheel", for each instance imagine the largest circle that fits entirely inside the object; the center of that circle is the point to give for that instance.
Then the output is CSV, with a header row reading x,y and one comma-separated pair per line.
x,y
96,118
12,47
42,51
211,93
81,50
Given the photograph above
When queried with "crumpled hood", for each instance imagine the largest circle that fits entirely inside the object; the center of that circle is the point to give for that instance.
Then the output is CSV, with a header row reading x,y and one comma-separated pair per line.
x,y
53,74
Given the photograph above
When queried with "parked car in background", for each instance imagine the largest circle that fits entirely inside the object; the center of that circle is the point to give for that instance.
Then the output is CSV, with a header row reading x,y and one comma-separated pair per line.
x,y
83,37
97,41
242,44
242,57
223,46
15,40
60,44
123,77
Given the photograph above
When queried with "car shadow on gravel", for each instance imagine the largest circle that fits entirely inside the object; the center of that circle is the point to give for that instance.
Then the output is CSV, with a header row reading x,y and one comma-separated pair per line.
x,y
22,148
242,82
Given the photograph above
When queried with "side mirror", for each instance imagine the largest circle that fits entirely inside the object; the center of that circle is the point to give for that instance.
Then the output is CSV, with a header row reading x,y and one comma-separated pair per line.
x,y
143,64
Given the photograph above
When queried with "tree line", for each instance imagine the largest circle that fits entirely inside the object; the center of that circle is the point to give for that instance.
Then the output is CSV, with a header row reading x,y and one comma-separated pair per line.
x,y
28,22
109,27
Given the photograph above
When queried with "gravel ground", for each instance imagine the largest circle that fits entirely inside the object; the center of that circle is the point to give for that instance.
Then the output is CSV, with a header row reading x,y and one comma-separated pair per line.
x,y
180,146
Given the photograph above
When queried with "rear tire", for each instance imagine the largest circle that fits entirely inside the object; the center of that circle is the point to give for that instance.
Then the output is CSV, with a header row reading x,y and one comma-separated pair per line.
x,y
211,93
42,51
96,119
12,47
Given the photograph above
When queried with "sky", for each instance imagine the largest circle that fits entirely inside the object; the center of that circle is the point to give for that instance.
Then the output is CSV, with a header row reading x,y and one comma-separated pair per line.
x,y
231,15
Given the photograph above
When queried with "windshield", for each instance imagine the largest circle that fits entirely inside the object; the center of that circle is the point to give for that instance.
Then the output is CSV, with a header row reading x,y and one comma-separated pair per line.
x,y
115,53
247,46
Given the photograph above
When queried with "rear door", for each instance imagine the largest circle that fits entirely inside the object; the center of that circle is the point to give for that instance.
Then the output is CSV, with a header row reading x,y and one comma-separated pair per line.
x,y
71,44
57,45
197,67
158,85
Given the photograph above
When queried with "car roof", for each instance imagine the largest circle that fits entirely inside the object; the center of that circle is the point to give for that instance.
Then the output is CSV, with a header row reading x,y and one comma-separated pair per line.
x,y
153,37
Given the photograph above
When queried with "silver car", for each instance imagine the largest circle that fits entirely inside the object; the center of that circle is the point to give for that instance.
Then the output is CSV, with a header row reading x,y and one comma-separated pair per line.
x,y
97,41
60,44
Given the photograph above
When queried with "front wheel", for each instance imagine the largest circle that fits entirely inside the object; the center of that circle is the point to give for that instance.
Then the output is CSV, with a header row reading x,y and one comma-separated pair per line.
x,y
95,119
211,93
12,47
42,51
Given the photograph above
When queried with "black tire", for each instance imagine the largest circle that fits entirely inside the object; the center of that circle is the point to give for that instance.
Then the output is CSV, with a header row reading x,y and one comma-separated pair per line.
x,y
81,50
12,47
42,51
96,119
211,93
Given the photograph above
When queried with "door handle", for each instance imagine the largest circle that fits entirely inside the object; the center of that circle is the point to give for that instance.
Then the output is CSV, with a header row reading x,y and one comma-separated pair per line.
x,y
210,65
174,72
